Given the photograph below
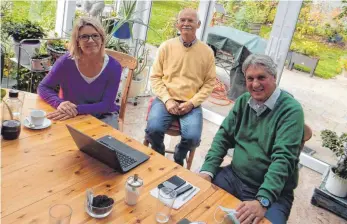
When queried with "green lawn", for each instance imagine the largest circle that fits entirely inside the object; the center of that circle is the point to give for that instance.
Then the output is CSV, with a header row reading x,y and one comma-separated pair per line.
x,y
329,55
162,13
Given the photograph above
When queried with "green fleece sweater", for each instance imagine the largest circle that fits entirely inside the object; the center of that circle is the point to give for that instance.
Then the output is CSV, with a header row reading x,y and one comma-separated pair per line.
x,y
267,147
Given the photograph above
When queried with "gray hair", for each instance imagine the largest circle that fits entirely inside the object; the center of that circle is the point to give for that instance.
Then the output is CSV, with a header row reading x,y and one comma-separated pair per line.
x,y
260,60
192,10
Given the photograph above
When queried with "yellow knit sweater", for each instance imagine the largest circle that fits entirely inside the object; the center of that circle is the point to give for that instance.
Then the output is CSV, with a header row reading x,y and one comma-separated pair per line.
x,y
180,73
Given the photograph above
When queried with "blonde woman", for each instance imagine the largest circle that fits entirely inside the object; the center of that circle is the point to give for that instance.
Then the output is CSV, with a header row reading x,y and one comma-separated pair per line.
x,y
88,78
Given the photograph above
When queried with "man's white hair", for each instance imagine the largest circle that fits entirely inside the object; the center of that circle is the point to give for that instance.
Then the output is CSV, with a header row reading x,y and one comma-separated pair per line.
x,y
196,13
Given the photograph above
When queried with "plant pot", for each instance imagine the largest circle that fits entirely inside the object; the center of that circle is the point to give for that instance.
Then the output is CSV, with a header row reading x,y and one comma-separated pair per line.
x,y
123,31
137,87
56,53
254,28
297,58
336,185
41,64
27,50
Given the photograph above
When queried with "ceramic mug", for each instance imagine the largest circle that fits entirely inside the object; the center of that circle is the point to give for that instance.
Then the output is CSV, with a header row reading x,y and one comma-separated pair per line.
x,y
37,117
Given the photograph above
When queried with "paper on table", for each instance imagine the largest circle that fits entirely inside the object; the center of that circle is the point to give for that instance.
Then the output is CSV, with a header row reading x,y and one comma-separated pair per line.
x,y
183,198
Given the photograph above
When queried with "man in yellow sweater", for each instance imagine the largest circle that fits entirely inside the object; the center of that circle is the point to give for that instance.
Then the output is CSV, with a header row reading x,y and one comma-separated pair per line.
x,y
183,76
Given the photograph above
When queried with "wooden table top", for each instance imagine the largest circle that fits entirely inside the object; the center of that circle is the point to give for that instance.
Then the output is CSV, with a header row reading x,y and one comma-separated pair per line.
x,y
44,167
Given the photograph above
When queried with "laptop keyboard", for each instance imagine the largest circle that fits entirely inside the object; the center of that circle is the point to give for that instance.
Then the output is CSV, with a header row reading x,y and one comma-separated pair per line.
x,y
123,159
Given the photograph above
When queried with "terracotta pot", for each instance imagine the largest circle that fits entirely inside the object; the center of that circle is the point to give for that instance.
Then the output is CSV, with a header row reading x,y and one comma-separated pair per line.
x,y
42,64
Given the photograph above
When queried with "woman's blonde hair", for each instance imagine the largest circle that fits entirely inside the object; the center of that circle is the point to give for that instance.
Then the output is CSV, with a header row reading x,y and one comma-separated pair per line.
x,y
74,49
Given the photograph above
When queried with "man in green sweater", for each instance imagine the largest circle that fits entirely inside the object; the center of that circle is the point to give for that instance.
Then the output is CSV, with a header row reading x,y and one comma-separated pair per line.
x,y
265,128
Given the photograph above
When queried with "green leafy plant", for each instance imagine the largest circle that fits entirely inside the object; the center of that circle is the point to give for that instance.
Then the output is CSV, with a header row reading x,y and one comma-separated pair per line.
x,y
58,44
24,30
117,45
254,13
170,30
338,145
342,64
126,16
40,53
307,48
141,54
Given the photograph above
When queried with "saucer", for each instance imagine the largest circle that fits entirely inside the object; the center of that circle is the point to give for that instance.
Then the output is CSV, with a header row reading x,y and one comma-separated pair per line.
x,y
46,124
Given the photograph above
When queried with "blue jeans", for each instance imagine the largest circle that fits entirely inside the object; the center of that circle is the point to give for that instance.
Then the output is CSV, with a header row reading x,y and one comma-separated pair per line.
x,y
109,118
279,211
159,120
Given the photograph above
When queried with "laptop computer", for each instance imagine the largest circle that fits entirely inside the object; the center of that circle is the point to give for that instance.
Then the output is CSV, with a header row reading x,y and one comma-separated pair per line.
x,y
108,150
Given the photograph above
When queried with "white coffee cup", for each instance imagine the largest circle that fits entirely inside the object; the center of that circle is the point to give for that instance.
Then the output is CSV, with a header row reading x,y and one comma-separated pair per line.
x,y
37,117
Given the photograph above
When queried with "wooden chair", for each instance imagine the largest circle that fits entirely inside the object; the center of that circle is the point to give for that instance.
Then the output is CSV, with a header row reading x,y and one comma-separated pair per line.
x,y
174,130
307,136
129,62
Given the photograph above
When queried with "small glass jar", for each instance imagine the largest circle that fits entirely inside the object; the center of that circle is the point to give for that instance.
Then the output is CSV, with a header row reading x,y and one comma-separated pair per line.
x,y
133,188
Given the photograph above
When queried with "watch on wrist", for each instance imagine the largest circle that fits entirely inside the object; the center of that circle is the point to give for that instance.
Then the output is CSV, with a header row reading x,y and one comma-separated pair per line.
x,y
264,202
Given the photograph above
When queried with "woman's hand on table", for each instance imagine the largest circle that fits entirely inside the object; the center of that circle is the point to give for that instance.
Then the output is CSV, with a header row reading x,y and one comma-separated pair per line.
x,y
59,116
68,108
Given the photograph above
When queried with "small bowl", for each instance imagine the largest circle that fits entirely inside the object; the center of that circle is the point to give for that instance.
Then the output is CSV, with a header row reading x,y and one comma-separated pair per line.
x,y
97,212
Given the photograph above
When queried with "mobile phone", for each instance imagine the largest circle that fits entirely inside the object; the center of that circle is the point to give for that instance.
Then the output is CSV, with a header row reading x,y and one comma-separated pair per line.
x,y
184,221
183,190
173,183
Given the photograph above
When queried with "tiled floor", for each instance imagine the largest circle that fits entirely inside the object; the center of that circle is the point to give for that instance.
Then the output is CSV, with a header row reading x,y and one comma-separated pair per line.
x,y
302,212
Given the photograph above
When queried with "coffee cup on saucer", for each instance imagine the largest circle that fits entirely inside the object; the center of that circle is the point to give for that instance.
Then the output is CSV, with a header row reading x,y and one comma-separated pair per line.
x,y
37,117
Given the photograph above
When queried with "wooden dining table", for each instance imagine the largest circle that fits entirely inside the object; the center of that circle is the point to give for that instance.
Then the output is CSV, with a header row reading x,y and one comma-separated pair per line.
x,y
44,167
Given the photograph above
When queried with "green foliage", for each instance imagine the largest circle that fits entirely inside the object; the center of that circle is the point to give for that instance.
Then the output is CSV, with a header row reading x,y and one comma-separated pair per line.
x,y
141,53
343,13
58,44
117,45
338,145
241,13
42,11
307,48
24,30
342,63
255,11
161,17
170,30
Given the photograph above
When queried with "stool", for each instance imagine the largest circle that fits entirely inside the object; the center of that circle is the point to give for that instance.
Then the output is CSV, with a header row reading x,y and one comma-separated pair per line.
x,y
174,130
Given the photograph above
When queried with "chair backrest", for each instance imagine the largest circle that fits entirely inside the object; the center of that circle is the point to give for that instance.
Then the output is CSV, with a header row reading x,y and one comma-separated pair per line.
x,y
307,135
129,62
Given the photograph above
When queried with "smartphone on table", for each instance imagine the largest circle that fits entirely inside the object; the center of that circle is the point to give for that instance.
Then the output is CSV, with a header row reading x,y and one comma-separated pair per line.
x,y
173,183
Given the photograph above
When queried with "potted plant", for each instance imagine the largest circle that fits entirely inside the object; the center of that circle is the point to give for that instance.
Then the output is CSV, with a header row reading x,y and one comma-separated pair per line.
x,y
337,178
123,27
117,45
40,61
305,53
25,30
125,20
56,48
139,77
255,17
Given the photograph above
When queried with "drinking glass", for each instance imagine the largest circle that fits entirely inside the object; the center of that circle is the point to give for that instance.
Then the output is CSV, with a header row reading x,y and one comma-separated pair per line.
x,y
166,199
60,214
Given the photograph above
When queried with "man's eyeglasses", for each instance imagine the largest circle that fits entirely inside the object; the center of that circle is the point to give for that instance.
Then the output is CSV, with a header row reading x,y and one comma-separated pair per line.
x,y
85,37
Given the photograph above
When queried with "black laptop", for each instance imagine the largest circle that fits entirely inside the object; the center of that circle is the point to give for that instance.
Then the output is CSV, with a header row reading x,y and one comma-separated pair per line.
x,y
109,150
